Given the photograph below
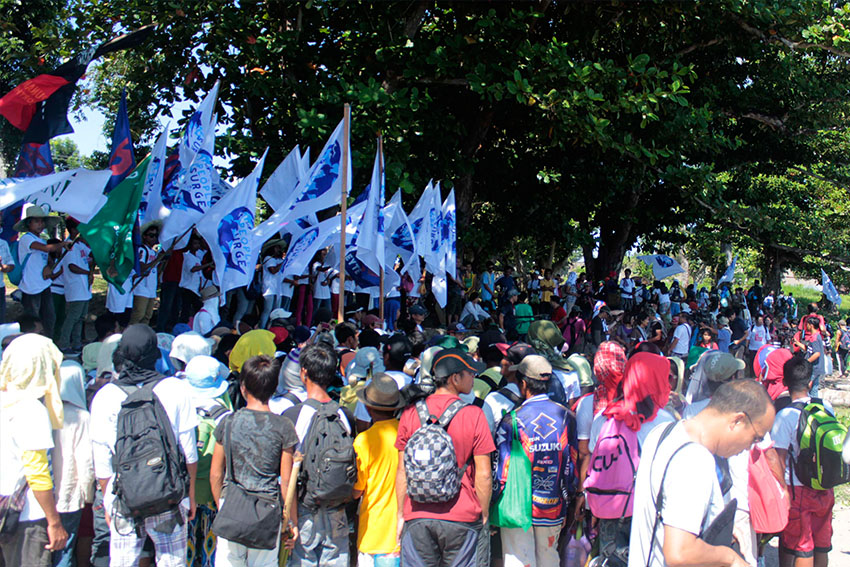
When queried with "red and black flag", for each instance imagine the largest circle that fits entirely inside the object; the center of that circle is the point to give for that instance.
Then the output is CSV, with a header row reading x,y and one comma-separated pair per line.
x,y
39,106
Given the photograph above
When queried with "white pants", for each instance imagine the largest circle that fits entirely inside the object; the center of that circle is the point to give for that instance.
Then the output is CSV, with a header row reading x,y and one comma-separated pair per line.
x,y
232,554
538,547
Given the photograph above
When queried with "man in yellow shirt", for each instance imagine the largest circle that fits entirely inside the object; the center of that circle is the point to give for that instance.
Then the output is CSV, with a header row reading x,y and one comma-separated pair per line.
x,y
377,463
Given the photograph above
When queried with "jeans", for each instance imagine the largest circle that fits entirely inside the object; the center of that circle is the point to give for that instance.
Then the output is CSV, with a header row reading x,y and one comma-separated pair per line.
x,y
270,303
323,538
71,334
191,304
41,305
813,393
71,523
321,304
243,304
59,311
2,304
27,545
169,307
440,543
100,542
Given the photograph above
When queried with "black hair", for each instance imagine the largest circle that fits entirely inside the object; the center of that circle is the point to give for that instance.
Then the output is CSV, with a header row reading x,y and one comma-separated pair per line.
x,y
491,355
344,331
796,374
646,346
4,344
522,297
225,345
259,375
323,315
28,322
418,343
370,338
439,382
71,222
746,396
104,325
534,386
320,362
473,296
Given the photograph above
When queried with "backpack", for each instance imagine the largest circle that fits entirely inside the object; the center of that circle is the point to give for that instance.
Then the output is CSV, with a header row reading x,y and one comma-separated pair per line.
x,y
610,483
821,438
844,340
769,503
208,421
150,468
17,273
430,459
329,471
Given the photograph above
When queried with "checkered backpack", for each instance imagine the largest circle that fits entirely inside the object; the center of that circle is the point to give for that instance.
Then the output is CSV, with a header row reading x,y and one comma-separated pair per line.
x,y
430,459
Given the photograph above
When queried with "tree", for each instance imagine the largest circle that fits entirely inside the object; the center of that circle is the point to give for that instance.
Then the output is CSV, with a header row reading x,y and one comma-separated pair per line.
x,y
65,153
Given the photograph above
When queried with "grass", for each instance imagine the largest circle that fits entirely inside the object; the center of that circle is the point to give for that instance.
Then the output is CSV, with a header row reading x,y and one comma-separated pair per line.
x,y
842,493
805,295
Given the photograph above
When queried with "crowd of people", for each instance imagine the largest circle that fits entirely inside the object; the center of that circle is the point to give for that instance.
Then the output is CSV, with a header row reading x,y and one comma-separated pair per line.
x,y
627,429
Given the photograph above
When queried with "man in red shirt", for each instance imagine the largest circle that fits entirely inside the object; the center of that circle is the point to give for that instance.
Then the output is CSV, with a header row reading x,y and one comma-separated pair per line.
x,y
454,532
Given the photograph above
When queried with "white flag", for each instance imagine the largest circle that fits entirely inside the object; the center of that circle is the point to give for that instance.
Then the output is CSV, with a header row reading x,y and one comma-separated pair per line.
x,y
418,216
399,241
305,245
449,233
729,274
662,266
370,233
151,207
202,121
279,189
829,289
227,227
78,192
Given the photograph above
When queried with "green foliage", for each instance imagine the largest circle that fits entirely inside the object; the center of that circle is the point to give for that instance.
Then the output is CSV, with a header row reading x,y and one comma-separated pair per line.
x,y
65,153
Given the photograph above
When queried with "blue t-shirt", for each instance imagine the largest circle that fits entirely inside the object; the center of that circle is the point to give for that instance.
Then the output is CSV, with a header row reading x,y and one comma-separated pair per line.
x,y
816,345
724,339
489,279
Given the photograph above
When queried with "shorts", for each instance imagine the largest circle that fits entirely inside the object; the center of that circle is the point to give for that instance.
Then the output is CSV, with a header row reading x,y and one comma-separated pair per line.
x,y
809,528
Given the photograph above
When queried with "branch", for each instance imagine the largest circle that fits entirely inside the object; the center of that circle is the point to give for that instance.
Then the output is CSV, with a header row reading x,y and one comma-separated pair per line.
x,y
793,45
800,252
703,45
819,177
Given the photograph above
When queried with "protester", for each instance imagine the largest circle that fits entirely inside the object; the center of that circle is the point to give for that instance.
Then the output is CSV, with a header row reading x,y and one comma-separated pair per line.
x,y
813,347
77,272
144,294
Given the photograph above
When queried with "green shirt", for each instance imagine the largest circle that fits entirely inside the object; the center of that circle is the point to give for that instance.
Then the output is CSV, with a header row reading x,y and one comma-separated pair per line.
x,y
524,317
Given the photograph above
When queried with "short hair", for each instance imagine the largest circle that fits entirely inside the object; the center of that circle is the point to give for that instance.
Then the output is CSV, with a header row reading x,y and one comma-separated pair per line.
x,y
259,375
71,222
320,362
646,346
796,374
536,387
746,396
473,296
105,324
28,323
370,338
344,331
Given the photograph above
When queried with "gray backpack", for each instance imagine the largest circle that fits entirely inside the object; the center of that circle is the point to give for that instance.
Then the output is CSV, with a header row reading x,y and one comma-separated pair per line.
x,y
430,459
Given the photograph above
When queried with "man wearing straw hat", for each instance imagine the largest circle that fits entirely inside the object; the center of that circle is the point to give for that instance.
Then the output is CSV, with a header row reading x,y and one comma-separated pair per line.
x,y
32,253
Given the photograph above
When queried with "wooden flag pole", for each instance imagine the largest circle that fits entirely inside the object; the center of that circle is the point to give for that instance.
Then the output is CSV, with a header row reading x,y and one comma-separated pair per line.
x,y
346,126
381,260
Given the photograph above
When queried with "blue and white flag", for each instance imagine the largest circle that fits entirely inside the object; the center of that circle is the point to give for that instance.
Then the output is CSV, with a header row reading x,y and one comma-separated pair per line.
x,y
449,233
279,189
303,247
418,216
323,188
829,289
202,121
663,266
435,256
399,241
370,234
78,192
729,274
227,227
195,193
151,207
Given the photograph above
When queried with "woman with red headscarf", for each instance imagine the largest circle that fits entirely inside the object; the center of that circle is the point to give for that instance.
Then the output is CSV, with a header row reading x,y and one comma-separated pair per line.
x,y
638,404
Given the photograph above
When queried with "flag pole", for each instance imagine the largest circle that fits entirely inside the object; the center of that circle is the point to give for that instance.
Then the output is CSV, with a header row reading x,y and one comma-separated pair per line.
x,y
161,260
381,260
346,125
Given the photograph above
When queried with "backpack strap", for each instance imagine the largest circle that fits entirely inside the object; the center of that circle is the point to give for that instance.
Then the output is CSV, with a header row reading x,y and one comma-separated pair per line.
x,y
489,381
449,413
425,416
292,398
215,413
509,394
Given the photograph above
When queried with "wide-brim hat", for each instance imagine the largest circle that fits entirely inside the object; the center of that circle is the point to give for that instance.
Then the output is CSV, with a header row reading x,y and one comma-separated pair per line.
x,y
381,393
273,242
150,224
209,292
35,212
206,377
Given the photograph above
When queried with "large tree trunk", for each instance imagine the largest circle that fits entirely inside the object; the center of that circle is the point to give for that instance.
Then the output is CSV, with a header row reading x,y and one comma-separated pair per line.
x,y
773,262
615,239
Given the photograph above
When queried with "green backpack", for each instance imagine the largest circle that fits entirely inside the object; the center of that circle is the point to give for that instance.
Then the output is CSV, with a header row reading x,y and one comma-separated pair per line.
x,y
208,420
821,439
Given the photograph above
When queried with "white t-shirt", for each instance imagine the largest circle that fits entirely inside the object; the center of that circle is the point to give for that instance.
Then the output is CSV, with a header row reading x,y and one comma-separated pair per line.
x,y
683,340
497,405
57,284
271,281
474,310
758,337
24,426
175,397
570,381
117,302
400,378
663,416
784,435
76,285
692,409
188,279
320,291
627,287
692,496
32,280
5,258
147,288
584,417
279,404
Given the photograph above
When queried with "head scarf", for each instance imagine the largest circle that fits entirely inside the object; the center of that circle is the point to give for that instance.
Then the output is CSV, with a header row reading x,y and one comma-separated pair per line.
x,y
646,376
90,354
187,346
136,356
609,365
104,355
73,388
547,340
252,343
30,370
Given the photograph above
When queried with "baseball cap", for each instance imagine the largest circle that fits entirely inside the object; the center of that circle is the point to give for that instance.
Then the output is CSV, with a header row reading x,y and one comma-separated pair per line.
x,y
453,360
418,310
533,366
517,351
721,366
457,328
279,314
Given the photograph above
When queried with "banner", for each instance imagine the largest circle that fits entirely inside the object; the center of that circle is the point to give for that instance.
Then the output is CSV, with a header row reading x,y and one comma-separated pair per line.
x,y
399,241
729,274
829,289
662,266
417,220
304,246
279,189
33,160
370,232
227,227
79,195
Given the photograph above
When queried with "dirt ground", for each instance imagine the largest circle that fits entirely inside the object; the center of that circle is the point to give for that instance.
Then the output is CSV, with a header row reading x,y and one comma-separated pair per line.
x,y
840,554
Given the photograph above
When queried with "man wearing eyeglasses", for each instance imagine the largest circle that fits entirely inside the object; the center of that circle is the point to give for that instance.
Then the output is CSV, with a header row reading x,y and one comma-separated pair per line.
x,y
679,470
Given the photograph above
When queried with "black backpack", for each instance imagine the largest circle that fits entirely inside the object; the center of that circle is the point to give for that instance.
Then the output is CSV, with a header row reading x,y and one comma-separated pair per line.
x,y
150,468
329,472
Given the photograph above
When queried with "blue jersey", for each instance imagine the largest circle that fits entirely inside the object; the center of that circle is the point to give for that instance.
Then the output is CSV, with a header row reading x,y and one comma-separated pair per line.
x,y
547,432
